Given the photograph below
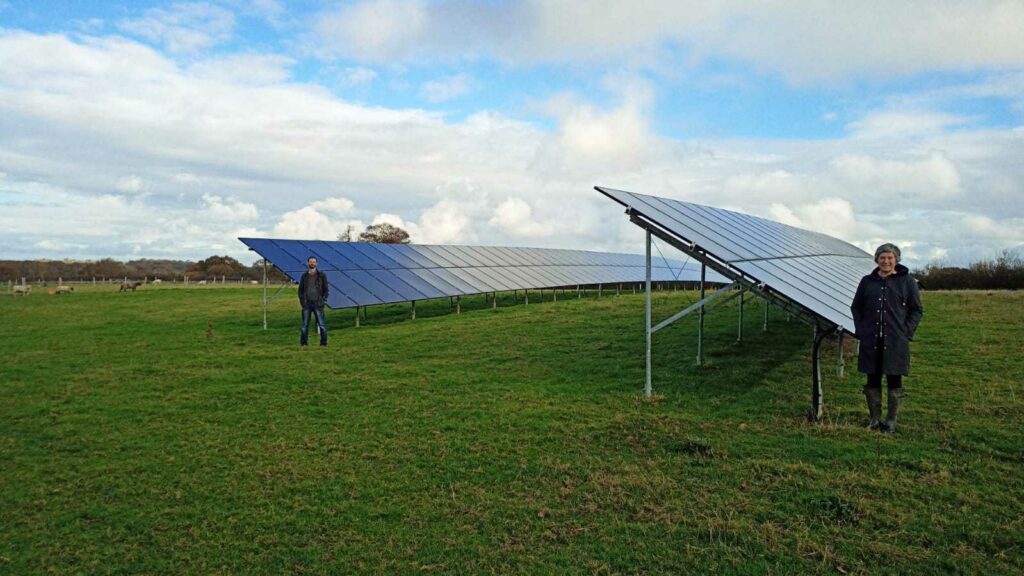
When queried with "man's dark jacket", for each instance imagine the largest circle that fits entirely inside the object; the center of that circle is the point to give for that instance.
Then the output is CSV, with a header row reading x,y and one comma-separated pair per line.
x,y
889,307
321,279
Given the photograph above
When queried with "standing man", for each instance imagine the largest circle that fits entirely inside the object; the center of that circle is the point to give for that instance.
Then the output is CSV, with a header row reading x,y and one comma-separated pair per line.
x,y
313,289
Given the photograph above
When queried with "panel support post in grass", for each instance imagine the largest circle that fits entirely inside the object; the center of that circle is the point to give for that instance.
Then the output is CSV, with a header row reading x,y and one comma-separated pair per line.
x,y
764,326
647,318
494,301
700,317
816,403
840,361
739,329
458,304
264,293
413,309
357,316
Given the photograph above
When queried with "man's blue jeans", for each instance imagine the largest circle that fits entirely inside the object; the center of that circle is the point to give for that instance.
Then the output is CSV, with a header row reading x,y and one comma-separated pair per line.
x,y
311,309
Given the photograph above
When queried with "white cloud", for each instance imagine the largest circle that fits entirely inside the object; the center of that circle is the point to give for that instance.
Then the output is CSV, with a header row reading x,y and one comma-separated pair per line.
x,y
130,184
446,89
335,206
183,27
374,30
904,124
253,69
218,157
515,217
934,175
356,76
804,40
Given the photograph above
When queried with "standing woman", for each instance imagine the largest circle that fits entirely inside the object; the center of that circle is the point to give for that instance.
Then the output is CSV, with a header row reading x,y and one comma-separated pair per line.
x,y
886,311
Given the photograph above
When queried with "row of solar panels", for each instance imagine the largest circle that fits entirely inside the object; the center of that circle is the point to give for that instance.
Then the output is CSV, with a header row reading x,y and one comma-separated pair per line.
x,y
814,270
364,274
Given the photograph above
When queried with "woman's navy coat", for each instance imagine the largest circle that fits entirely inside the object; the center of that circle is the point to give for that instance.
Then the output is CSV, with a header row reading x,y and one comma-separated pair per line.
x,y
891,307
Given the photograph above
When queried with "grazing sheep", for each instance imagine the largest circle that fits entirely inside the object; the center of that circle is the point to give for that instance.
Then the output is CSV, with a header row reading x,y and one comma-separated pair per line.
x,y
202,282
65,289
21,290
131,285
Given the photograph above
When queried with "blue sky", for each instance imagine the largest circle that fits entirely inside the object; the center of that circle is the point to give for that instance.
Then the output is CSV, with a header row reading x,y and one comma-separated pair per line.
x,y
162,129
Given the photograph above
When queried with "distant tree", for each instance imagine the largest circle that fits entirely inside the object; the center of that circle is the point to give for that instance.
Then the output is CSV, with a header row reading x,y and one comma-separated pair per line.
x,y
273,274
384,233
9,271
217,266
105,268
348,235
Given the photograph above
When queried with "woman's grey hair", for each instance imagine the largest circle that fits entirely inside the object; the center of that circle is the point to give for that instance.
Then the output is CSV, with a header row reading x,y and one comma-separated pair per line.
x,y
888,247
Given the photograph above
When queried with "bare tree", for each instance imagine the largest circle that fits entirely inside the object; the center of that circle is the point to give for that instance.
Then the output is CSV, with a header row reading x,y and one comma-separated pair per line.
x,y
384,233
348,235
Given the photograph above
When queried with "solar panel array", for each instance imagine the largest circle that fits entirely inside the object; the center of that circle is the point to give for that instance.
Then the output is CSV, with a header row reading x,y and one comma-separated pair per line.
x,y
814,270
362,273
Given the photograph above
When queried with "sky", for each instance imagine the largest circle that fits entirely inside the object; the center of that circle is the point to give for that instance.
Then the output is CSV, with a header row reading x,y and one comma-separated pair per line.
x,y
167,130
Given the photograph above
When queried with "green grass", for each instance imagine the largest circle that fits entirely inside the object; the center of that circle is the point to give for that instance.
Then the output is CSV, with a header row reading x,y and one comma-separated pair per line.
x,y
165,432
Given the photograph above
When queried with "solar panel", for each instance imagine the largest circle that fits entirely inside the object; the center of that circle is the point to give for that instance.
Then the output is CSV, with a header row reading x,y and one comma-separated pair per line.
x,y
813,270
362,274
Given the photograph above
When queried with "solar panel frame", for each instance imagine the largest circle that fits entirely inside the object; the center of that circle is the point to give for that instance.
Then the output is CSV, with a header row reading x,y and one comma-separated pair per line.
x,y
813,270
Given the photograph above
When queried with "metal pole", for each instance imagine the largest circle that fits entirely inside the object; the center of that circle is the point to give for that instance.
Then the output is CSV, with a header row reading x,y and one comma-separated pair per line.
x,y
816,403
413,309
458,304
526,296
739,330
264,293
494,301
764,327
578,293
700,318
840,361
357,316
647,318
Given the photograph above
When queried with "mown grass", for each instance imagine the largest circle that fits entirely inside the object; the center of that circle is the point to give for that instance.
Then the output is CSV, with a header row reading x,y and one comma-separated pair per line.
x,y
165,432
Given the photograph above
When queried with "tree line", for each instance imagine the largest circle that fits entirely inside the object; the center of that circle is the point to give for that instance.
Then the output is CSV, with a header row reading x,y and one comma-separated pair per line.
x,y
212,268
1004,273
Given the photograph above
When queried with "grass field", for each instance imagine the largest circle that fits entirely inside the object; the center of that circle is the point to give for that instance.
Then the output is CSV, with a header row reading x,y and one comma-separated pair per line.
x,y
165,432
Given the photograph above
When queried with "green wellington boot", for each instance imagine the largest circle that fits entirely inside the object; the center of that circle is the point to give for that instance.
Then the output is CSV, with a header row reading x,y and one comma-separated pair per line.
x,y
895,398
874,397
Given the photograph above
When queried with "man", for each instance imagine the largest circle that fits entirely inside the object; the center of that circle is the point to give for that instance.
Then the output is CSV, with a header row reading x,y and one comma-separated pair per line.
x,y
313,289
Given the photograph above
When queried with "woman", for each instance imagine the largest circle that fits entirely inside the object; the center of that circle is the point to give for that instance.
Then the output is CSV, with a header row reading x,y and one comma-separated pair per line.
x,y
886,312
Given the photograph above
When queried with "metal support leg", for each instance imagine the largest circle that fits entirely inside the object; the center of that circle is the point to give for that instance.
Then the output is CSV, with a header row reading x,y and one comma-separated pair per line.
x,y
579,295
739,329
764,327
264,293
700,318
526,295
816,403
599,288
840,361
413,309
647,318
357,316
494,301
554,295
458,304
618,289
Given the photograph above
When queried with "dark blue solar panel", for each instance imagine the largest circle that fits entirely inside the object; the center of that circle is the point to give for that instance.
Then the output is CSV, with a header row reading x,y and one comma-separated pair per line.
x,y
421,285
400,253
268,249
397,285
367,274
359,260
